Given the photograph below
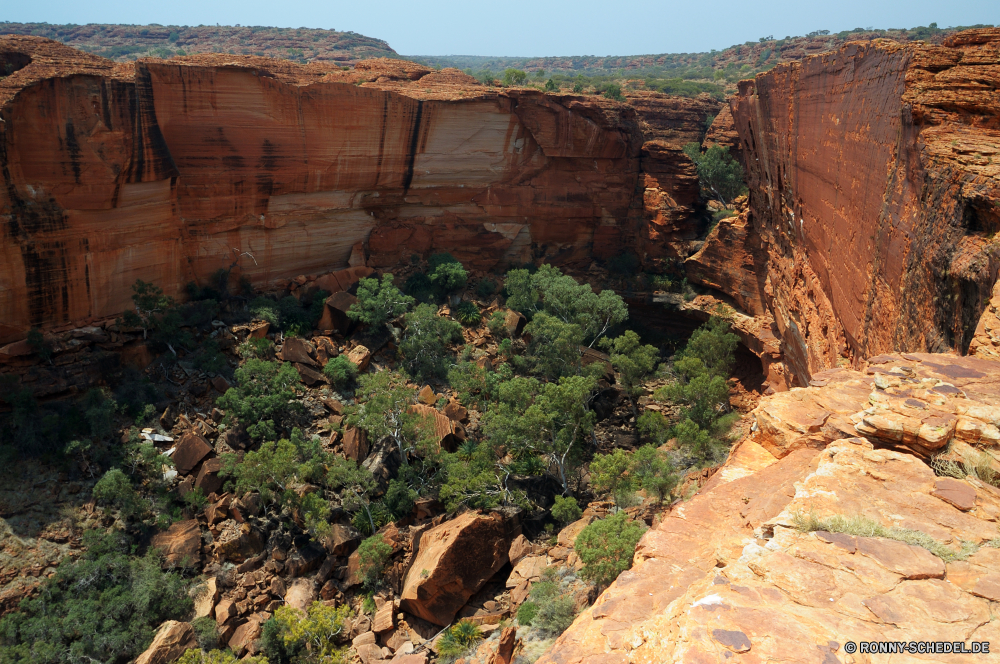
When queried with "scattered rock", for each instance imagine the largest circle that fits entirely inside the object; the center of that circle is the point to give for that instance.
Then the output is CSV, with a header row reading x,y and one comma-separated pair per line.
x,y
301,594
355,443
189,452
519,548
298,351
359,357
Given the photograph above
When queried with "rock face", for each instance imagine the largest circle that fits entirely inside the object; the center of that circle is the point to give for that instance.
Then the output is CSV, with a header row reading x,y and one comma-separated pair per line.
x,y
453,562
167,171
735,570
874,174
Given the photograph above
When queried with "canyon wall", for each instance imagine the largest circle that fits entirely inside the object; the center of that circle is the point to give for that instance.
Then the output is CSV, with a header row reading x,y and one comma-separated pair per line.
x,y
167,171
874,176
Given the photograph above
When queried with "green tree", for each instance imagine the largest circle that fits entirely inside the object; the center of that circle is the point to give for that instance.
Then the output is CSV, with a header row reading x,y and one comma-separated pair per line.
x,y
611,474
607,547
385,399
373,556
340,371
379,302
150,303
424,345
446,273
717,171
632,360
476,477
550,420
653,471
513,77
264,397
566,510
550,86
550,291
554,346
115,489
102,607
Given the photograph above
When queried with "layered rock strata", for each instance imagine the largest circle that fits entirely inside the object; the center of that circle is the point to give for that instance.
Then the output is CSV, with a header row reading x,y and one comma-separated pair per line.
x,y
168,171
738,573
874,176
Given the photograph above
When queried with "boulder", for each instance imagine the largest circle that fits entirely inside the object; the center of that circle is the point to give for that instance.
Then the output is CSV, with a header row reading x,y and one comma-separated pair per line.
x,y
224,612
309,375
355,443
456,411
448,433
530,568
305,560
454,560
505,648
335,316
341,539
205,595
298,351
384,618
301,594
208,479
237,542
172,640
180,544
426,396
514,323
567,536
245,637
519,548
189,452
326,349
359,357
383,463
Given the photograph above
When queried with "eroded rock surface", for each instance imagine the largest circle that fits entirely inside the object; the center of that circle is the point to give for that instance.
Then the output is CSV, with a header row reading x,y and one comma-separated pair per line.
x,y
732,572
170,170
875,183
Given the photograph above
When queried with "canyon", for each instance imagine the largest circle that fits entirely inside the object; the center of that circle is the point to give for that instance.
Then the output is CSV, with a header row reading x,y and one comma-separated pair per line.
x,y
861,269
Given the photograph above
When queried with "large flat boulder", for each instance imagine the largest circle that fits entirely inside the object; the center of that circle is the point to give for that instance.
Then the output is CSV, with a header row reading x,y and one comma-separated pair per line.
x,y
180,544
172,640
454,560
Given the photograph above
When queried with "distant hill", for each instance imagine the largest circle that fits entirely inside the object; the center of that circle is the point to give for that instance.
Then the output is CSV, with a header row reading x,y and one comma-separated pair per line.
x,y
128,42
715,72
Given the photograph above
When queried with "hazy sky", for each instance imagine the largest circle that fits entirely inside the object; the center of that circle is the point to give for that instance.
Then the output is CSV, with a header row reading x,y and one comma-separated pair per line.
x,y
528,27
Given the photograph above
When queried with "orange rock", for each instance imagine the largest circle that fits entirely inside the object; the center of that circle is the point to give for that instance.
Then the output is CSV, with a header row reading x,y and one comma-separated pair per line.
x,y
172,640
180,544
448,434
359,356
189,452
355,443
452,563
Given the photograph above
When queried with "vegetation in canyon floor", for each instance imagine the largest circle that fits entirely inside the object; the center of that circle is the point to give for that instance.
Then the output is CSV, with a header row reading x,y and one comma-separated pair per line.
x,y
536,400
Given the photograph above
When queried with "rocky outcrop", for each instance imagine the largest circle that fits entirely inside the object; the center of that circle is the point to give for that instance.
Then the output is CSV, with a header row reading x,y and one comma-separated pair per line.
x,y
452,563
746,567
875,190
168,171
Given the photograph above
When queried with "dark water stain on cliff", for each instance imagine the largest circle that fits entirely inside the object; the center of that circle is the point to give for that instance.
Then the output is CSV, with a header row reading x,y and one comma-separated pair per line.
x,y
73,149
411,154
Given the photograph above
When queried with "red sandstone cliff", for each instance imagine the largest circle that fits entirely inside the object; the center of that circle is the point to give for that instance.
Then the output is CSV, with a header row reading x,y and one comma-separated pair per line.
x,y
875,196
168,170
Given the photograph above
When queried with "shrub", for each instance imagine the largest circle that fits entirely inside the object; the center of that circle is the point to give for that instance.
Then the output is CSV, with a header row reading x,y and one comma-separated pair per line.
x,y
459,638
654,426
468,313
653,471
318,634
606,547
206,631
420,287
424,344
527,612
266,309
262,400
556,608
550,86
340,371
631,359
196,656
486,287
497,324
446,273
566,510
102,607
115,489
513,77
373,555
578,87
379,302
614,91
